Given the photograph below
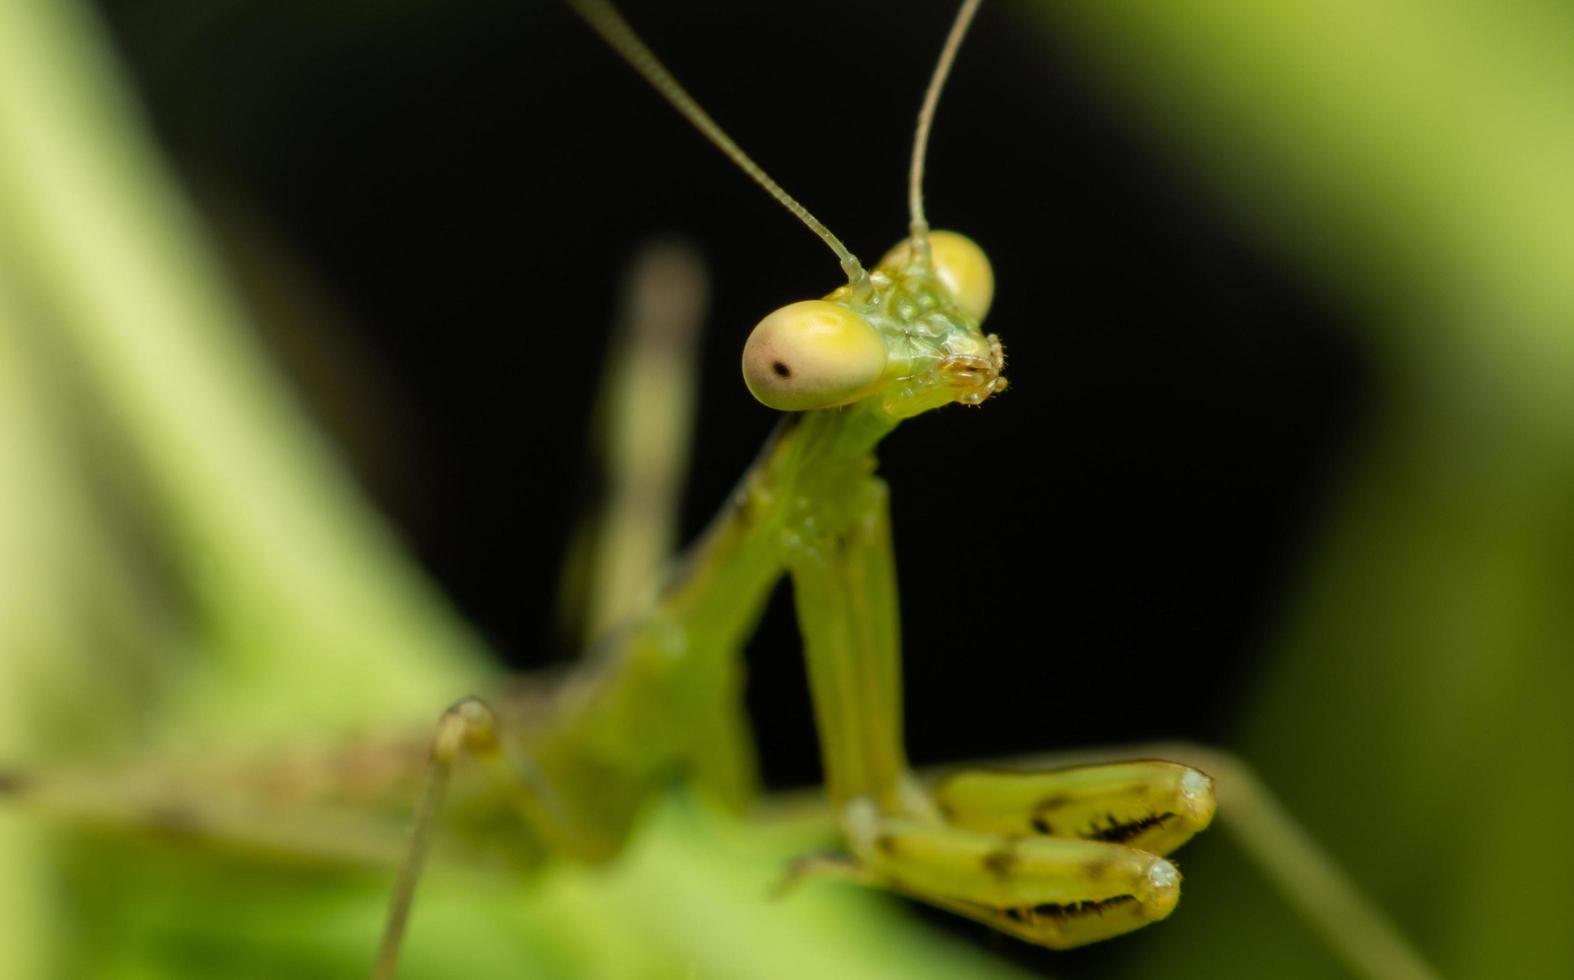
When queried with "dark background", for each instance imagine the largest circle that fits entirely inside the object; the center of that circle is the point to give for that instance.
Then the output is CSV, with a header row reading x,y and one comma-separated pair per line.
x,y
430,207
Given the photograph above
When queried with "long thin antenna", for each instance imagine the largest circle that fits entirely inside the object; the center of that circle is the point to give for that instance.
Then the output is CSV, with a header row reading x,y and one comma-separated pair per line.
x,y
926,118
607,22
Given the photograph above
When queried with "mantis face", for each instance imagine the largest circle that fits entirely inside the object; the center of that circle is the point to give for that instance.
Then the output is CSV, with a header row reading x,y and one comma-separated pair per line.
x,y
905,340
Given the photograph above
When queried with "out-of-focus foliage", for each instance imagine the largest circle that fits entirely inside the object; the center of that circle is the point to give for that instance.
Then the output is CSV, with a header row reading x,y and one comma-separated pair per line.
x,y
1414,158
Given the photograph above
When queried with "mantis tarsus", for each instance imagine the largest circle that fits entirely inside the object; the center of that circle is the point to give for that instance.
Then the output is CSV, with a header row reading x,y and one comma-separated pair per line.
x,y
970,864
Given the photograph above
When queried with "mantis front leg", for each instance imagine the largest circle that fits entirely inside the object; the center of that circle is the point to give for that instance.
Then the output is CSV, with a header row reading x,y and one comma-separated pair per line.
x,y
1058,858
844,587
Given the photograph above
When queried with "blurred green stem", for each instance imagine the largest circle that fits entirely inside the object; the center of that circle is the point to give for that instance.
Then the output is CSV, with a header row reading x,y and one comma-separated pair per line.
x,y
291,573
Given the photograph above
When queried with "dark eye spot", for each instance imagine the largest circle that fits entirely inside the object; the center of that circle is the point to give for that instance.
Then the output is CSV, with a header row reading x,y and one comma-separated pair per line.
x,y
781,369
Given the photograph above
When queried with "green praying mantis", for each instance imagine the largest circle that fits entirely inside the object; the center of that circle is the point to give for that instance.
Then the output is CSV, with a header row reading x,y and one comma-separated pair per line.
x,y
1058,857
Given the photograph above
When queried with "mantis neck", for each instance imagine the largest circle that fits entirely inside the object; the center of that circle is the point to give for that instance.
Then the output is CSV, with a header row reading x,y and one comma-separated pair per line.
x,y
808,491
803,486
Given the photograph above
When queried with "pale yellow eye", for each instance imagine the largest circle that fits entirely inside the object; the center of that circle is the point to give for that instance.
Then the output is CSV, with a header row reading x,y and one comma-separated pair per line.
x,y
812,354
962,267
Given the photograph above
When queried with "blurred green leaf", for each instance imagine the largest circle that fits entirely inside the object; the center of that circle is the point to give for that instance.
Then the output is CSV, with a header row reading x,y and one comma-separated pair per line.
x,y
1414,159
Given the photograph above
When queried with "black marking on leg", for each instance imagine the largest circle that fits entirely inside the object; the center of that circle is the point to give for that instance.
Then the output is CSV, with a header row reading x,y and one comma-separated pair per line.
x,y
1051,803
1079,910
1043,826
1000,863
1120,833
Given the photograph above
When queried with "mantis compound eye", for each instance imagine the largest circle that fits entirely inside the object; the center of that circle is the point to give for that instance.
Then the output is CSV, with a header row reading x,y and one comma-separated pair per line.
x,y
961,266
813,354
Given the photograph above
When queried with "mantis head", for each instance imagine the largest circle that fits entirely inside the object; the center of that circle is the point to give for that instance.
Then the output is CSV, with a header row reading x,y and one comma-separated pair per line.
x,y
907,337
902,339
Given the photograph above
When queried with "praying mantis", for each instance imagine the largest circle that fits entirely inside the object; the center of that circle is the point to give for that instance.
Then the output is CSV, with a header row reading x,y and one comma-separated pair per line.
x,y
989,847
889,345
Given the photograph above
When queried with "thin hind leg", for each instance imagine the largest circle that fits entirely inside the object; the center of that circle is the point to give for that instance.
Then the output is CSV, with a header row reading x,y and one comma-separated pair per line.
x,y
642,432
470,728
1307,876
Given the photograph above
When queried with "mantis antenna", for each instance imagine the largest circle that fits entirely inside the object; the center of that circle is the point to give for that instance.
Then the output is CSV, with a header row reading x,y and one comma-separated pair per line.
x,y
607,22
919,234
